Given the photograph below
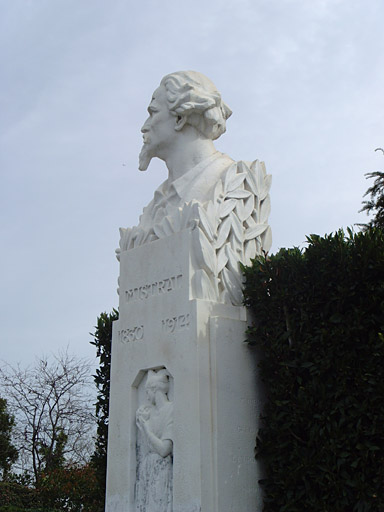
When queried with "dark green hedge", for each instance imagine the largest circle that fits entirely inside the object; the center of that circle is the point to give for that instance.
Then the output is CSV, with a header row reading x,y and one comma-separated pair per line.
x,y
320,319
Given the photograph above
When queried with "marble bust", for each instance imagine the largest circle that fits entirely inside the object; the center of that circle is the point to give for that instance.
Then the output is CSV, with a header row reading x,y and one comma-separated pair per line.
x,y
225,203
186,114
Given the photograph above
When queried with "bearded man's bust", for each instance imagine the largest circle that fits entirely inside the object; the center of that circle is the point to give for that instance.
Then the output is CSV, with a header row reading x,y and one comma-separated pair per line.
x,y
227,201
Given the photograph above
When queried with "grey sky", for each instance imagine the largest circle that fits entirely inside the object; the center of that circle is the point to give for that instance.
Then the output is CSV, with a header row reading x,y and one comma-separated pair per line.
x,y
304,80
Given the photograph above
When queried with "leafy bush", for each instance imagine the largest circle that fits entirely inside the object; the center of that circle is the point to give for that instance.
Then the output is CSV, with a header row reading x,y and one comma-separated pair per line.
x,y
70,489
18,496
320,325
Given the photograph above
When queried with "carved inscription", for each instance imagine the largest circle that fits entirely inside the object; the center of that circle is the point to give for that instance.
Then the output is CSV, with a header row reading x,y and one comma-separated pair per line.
x,y
145,291
176,323
249,490
243,459
249,401
245,429
134,334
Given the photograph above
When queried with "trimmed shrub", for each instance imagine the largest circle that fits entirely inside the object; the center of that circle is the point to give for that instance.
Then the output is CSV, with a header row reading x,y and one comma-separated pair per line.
x,y
320,325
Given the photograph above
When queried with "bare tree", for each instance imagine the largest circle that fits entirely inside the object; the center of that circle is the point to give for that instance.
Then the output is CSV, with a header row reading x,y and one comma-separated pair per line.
x,y
53,407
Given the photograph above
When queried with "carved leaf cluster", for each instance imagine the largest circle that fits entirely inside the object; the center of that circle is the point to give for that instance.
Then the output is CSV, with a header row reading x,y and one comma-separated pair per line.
x,y
239,218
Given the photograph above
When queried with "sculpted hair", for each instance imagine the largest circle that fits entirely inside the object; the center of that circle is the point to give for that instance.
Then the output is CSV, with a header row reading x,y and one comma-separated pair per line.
x,y
194,96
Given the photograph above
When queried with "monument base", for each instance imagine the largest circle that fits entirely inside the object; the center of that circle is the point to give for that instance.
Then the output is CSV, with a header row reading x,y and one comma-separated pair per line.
x,y
213,386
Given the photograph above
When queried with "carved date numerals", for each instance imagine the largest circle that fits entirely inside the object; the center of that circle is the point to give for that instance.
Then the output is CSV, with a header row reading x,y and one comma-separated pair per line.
x,y
134,334
176,323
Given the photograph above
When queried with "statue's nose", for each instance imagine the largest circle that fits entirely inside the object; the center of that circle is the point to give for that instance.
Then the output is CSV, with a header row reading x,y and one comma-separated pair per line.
x,y
145,128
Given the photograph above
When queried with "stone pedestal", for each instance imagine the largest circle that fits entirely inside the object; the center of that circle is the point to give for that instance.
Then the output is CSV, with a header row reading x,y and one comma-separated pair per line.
x,y
212,383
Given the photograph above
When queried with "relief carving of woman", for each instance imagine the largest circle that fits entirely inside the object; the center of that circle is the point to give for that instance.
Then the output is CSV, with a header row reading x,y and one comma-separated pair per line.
x,y
154,447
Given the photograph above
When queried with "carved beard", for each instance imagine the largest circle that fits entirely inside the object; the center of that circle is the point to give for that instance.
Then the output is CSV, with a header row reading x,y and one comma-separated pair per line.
x,y
145,156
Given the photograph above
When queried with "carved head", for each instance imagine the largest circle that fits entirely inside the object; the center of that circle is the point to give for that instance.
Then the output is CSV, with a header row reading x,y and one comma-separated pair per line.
x,y
193,96
157,381
183,98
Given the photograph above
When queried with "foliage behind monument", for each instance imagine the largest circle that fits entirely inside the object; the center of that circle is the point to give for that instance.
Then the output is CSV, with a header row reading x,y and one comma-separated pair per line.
x,y
102,341
54,420
8,452
320,324
375,204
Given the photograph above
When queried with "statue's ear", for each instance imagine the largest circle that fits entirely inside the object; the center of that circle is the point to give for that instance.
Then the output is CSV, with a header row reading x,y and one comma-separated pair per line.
x,y
180,122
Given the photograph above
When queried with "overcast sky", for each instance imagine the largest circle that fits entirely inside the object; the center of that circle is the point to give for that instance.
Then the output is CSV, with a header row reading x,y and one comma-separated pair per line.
x,y
305,81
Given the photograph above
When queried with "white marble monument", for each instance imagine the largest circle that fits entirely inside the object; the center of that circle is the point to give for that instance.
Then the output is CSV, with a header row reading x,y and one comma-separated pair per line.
x,y
185,397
